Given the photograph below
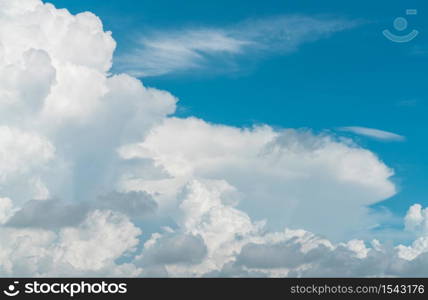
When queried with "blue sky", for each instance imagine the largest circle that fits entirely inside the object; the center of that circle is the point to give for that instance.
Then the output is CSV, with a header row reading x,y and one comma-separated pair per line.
x,y
353,78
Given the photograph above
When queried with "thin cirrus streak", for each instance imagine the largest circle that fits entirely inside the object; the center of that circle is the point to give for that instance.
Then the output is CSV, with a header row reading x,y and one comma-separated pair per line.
x,y
374,133
164,52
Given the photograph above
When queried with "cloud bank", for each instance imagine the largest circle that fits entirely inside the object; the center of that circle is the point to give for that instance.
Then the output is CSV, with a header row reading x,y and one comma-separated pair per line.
x,y
97,178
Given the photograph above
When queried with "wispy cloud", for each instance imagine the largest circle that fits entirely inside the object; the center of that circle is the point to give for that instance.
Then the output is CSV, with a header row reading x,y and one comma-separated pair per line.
x,y
168,52
407,103
374,133
162,52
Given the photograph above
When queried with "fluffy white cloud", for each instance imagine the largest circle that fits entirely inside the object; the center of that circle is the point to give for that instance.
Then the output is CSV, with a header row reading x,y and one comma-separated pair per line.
x,y
218,231
416,219
94,245
57,97
24,157
6,210
236,246
103,237
270,171
62,118
42,26
20,152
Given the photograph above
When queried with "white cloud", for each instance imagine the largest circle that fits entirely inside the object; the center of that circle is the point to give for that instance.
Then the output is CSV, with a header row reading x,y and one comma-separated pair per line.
x,y
58,101
374,133
24,157
197,48
269,171
169,249
6,210
103,237
286,256
62,118
217,198
202,213
92,246
22,151
54,214
416,219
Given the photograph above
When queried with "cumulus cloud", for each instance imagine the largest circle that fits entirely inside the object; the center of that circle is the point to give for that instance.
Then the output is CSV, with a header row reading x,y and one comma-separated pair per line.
x,y
166,52
294,254
48,214
97,179
416,219
54,213
6,210
374,133
276,166
22,151
102,238
62,118
172,249
60,105
92,246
